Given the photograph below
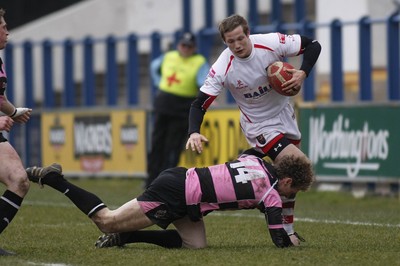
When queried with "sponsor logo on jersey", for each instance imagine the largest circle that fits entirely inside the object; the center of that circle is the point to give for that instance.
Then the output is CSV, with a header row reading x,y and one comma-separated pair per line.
x,y
282,38
240,85
261,139
261,91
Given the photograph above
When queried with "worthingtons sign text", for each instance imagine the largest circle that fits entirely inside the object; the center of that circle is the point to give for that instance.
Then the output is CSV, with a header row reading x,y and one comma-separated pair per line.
x,y
347,148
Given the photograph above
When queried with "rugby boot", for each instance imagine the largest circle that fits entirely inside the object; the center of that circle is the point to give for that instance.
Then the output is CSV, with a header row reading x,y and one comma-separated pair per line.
x,y
109,240
36,173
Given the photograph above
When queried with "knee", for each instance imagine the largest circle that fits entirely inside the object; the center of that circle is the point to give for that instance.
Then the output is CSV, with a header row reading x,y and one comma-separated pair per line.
x,y
103,221
103,226
24,185
19,183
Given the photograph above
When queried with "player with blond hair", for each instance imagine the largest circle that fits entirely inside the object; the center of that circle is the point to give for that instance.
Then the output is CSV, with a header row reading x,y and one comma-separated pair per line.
x,y
267,118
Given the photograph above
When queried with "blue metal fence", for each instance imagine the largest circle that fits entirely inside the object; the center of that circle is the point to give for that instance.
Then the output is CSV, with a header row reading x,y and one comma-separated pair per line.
x,y
205,45
393,43
206,38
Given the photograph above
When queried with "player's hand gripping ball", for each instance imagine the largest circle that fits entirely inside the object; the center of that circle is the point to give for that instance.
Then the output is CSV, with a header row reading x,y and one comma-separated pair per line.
x,y
277,75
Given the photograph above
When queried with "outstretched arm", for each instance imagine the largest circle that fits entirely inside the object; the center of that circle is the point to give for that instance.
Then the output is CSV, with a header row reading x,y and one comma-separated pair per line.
x,y
288,219
196,115
273,216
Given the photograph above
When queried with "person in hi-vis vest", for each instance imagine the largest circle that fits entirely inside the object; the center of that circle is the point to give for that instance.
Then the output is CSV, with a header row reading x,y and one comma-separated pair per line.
x,y
178,75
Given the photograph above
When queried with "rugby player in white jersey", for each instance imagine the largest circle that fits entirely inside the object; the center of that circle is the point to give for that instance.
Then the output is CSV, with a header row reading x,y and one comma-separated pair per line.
x,y
267,118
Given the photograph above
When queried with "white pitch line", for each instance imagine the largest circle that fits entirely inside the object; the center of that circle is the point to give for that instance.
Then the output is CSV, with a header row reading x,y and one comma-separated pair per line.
x,y
237,214
309,220
46,264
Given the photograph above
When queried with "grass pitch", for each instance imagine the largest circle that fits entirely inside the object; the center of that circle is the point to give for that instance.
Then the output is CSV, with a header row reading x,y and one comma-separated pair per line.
x,y
339,229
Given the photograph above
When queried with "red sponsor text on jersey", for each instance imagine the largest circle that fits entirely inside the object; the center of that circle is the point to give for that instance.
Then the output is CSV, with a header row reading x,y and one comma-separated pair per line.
x,y
240,85
282,38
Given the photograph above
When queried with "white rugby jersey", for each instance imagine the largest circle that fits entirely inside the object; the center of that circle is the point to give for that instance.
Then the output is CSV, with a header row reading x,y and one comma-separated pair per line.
x,y
246,78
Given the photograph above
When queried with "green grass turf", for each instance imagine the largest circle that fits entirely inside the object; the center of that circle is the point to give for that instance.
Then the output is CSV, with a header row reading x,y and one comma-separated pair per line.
x,y
339,229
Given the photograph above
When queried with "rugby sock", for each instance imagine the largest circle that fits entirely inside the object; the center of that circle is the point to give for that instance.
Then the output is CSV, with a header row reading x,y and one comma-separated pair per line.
x,y
9,206
287,213
86,201
163,238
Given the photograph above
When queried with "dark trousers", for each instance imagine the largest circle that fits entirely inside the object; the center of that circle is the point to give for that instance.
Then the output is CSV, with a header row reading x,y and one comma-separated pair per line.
x,y
168,138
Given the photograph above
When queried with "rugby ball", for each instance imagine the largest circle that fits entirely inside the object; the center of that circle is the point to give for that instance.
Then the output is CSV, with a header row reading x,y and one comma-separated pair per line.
x,y
277,75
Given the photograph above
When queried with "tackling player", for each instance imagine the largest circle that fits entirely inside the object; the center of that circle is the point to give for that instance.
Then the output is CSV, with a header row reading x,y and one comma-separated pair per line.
x,y
12,172
184,196
267,118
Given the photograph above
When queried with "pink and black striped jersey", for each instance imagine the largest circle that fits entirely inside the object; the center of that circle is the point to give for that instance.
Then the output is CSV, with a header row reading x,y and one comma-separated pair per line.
x,y
3,80
246,183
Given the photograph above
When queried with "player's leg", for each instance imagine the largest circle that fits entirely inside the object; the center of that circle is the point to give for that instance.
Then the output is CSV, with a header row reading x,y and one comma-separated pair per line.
x,y
189,234
155,157
163,203
163,238
176,135
193,234
275,144
292,133
131,215
13,176
126,218
283,145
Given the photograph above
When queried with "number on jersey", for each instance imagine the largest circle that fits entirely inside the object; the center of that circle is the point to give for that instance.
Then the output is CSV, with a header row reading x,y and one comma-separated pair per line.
x,y
247,174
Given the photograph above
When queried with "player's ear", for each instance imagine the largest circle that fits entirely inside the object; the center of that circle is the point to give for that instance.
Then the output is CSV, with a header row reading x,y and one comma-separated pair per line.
x,y
288,181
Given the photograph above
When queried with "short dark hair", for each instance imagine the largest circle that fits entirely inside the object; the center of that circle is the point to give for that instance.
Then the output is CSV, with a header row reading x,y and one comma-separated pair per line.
x,y
298,168
232,22
2,12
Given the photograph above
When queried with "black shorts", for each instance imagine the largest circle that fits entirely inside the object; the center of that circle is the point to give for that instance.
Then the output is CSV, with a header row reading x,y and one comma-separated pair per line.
x,y
164,200
2,138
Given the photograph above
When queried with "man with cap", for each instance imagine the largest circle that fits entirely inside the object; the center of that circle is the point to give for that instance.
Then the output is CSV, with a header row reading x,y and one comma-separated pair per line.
x,y
178,75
